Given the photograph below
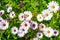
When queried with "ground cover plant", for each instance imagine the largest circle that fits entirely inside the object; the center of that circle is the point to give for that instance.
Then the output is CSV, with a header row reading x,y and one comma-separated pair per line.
x,y
29,20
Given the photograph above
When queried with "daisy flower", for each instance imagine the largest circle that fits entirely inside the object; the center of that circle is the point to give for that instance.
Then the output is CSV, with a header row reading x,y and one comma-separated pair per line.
x,y
39,17
9,9
55,32
35,38
12,14
34,25
28,15
48,32
47,14
53,6
14,30
4,25
25,24
42,27
20,33
39,35
21,17
23,29
1,12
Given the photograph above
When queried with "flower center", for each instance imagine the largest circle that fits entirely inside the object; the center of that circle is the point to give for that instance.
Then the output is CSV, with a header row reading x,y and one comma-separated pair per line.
x,y
9,9
55,32
42,26
33,25
0,13
52,6
48,31
14,30
39,34
4,24
46,14
29,21
12,14
23,30
26,15
40,17
25,24
22,16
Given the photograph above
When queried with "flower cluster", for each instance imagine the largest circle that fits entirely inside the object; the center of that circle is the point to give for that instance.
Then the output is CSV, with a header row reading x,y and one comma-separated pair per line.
x,y
25,25
23,29
28,23
3,23
11,13
27,15
47,31
48,13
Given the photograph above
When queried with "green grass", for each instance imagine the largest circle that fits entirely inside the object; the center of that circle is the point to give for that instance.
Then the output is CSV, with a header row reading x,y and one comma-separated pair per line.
x,y
36,7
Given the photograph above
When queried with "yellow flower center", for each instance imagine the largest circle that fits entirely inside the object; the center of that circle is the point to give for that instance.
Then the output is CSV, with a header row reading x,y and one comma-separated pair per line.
x,y
48,31
40,17
26,15
52,6
46,14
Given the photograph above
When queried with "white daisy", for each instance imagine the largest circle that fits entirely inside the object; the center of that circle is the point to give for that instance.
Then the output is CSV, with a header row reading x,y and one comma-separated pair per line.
x,y
1,12
9,9
35,38
53,6
4,25
23,29
48,32
56,32
42,27
39,17
34,25
39,35
47,14
28,15
20,33
25,24
21,17
12,14
14,30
